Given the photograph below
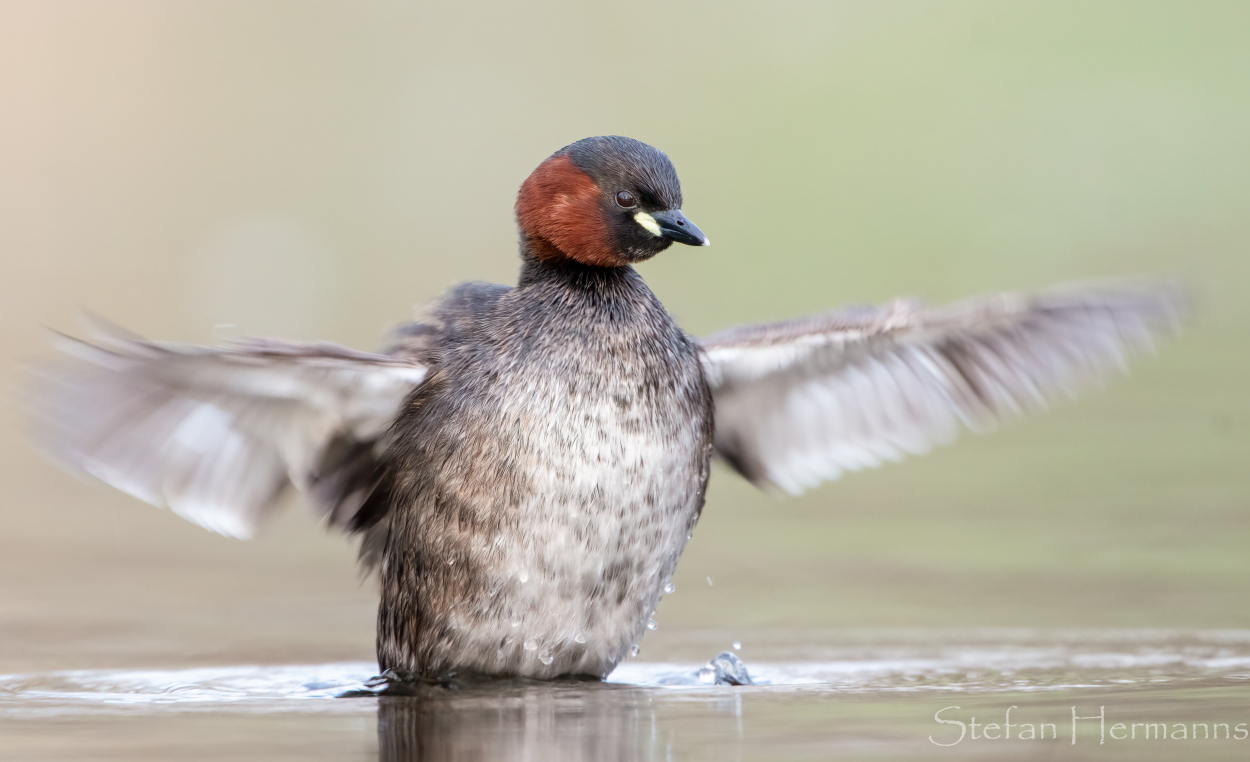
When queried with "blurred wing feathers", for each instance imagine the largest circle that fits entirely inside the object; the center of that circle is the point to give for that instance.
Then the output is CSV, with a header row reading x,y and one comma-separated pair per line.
x,y
218,434
800,402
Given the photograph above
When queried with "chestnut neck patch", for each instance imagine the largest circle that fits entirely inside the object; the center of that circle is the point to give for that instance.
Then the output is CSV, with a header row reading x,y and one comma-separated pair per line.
x,y
559,209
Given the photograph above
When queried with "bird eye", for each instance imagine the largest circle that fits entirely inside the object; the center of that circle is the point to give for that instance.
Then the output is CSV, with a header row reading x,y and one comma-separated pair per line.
x,y
626,200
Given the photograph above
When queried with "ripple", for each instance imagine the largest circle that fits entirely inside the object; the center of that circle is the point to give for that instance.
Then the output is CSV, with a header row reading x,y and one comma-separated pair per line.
x,y
882,669
281,688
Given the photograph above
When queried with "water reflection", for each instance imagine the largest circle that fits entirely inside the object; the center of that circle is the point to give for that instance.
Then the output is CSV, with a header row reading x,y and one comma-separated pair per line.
x,y
566,719
883,694
541,722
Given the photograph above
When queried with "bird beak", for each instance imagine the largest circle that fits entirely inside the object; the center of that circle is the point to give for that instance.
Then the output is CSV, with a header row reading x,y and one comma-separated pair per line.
x,y
675,227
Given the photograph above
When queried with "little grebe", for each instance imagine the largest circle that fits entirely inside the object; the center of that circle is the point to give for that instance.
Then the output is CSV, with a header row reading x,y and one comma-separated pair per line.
x,y
526,466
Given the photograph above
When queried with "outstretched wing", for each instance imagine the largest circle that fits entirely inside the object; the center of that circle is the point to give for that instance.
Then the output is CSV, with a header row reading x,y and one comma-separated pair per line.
x,y
217,435
802,401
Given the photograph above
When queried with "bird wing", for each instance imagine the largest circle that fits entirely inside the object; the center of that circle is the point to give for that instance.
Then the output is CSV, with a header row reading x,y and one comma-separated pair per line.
x,y
217,435
802,401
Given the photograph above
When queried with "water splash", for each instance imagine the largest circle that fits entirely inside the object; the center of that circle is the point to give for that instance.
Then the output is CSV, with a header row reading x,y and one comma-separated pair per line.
x,y
725,669
912,667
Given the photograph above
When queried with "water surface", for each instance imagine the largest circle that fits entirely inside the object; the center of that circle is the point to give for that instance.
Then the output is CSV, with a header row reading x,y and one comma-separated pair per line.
x,y
875,698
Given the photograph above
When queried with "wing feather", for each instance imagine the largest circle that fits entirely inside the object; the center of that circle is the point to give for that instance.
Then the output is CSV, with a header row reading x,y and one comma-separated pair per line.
x,y
217,435
802,401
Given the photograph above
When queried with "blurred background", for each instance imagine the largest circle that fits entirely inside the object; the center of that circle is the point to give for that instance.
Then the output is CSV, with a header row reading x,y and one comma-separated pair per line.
x,y
317,170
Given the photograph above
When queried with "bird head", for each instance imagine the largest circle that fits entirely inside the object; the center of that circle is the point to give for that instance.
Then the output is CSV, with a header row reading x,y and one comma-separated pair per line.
x,y
605,201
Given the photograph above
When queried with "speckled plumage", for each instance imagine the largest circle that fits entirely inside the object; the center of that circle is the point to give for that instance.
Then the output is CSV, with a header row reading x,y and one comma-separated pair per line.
x,y
552,466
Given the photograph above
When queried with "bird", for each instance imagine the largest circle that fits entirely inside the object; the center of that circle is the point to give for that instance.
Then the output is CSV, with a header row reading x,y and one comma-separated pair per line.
x,y
525,465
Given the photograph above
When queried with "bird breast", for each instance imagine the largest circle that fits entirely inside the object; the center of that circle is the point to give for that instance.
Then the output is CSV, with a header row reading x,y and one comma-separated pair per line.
x,y
565,474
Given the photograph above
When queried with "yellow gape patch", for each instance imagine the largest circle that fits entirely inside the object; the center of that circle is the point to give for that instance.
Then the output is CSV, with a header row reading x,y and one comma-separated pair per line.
x,y
648,222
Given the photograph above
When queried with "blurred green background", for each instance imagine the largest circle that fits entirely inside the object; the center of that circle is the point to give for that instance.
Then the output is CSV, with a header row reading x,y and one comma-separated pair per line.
x,y
315,170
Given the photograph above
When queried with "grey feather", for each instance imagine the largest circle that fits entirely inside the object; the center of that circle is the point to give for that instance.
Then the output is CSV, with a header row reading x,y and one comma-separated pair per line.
x,y
802,401
217,435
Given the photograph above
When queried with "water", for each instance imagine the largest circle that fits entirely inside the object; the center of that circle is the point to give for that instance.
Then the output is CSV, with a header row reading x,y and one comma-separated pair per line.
x,y
872,699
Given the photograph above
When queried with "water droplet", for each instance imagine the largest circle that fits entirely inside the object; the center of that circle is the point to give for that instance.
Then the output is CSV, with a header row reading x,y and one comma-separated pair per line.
x,y
516,622
499,654
651,625
669,587
633,650
579,637
546,657
531,644
737,645
709,581
524,576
